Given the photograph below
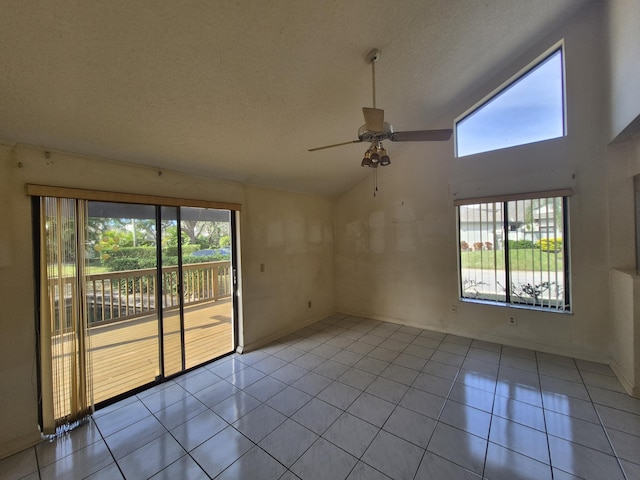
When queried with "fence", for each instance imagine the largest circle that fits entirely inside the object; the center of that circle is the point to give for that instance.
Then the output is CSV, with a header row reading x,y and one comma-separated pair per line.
x,y
116,296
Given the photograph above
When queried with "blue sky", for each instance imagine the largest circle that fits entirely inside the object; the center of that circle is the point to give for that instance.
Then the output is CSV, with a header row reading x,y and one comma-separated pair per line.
x,y
528,111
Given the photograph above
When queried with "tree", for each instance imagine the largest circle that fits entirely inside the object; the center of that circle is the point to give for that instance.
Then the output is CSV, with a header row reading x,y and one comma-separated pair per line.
x,y
144,231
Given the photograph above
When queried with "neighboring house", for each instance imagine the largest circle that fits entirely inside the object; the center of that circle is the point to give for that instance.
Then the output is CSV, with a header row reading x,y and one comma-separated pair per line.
x,y
483,224
545,221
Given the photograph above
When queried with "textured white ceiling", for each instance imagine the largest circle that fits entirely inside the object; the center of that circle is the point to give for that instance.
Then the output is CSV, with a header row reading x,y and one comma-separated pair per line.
x,y
240,90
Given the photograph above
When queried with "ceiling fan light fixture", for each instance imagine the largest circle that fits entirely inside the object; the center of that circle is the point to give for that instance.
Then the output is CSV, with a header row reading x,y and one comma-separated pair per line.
x,y
385,160
366,161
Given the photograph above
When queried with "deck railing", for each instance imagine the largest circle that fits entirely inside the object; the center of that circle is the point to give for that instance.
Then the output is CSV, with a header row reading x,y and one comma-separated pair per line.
x,y
116,296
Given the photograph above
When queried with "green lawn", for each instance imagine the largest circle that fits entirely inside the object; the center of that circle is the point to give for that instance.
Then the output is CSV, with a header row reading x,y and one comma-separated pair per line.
x,y
69,270
522,259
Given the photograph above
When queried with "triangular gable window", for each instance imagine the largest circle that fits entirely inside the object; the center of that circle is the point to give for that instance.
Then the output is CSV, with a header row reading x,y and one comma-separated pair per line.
x,y
528,109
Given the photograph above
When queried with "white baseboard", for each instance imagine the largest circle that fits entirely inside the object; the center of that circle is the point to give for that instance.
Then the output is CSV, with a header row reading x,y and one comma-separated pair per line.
x,y
509,341
19,444
279,334
627,383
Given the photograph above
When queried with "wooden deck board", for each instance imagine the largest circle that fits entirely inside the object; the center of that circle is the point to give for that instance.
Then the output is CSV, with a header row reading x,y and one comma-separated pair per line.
x,y
124,355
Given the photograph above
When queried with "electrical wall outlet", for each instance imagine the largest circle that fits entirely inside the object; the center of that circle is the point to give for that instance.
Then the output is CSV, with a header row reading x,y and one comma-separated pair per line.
x,y
512,320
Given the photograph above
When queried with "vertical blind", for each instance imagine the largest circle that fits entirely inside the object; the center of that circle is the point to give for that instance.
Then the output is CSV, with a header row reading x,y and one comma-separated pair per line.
x,y
65,359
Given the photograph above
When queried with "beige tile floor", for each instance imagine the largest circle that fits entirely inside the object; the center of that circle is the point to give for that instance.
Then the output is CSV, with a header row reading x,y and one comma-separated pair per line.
x,y
354,398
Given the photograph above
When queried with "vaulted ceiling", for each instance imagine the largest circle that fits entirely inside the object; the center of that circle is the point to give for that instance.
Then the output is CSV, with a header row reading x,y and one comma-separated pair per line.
x,y
240,90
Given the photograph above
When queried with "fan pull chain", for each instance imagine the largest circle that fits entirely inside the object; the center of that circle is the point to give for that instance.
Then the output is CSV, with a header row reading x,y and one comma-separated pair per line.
x,y
375,181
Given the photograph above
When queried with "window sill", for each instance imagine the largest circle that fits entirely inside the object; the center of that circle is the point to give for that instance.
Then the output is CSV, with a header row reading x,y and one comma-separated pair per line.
x,y
516,306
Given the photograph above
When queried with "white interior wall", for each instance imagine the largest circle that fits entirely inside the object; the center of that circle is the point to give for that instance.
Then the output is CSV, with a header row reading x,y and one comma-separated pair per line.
x,y
287,264
625,327
623,17
290,233
623,165
396,253
18,390
623,25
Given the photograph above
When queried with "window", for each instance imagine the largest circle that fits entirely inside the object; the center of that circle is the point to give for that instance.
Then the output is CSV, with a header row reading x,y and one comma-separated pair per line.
x,y
529,108
514,250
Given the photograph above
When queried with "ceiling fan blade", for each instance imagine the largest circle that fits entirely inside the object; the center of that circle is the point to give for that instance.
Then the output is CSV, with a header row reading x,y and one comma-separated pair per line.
x,y
422,136
373,119
334,145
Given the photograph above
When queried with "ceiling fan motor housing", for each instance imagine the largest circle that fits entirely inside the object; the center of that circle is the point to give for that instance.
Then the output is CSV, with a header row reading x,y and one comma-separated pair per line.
x,y
368,136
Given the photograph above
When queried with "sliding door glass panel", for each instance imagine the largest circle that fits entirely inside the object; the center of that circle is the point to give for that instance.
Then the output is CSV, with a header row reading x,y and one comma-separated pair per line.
x,y
122,313
172,336
206,275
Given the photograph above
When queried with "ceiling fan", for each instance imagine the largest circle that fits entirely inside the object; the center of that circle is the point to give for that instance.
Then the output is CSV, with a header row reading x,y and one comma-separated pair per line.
x,y
375,129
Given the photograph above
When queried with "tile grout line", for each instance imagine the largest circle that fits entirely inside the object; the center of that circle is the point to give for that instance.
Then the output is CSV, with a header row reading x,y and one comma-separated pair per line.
x,y
380,429
35,452
453,382
358,459
544,417
493,405
109,448
602,425
320,436
188,453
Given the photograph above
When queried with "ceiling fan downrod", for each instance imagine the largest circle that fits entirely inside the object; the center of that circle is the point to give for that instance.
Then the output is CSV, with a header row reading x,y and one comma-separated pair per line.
x,y
372,58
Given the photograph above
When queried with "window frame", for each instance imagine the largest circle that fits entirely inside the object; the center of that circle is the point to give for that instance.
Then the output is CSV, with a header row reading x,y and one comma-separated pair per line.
x,y
48,424
523,72
564,195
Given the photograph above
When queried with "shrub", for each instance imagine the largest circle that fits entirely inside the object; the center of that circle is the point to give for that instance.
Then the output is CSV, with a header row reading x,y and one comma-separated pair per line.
x,y
477,246
128,252
549,244
464,246
187,249
520,244
488,245
137,258
169,260
120,264
203,258
127,258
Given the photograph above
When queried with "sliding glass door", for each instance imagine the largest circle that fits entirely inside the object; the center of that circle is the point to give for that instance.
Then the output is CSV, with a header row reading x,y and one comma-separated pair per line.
x,y
153,288
207,283
196,286
121,297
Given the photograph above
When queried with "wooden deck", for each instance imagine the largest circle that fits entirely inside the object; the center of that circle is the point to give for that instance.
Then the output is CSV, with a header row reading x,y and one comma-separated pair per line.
x,y
125,355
